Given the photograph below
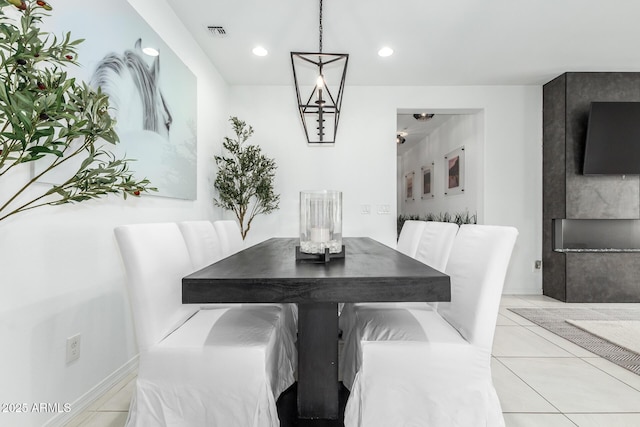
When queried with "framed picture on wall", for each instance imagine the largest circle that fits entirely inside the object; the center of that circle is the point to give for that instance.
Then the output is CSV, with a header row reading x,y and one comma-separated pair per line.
x,y
408,186
155,117
454,172
427,181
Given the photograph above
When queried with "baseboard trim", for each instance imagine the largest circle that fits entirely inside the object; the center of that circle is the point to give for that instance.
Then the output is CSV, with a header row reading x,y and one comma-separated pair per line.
x,y
521,291
86,400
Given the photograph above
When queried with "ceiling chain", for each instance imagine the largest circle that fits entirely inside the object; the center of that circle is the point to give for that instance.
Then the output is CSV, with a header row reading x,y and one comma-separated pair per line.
x,y
320,27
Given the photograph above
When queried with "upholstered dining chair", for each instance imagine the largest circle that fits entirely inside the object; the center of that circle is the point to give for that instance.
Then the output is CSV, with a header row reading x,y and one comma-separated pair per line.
x,y
432,246
422,367
409,237
435,243
219,367
202,241
205,247
408,241
230,237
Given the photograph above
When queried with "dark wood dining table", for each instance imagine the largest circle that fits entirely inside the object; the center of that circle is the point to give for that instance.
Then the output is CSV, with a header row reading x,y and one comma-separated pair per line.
x,y
269,273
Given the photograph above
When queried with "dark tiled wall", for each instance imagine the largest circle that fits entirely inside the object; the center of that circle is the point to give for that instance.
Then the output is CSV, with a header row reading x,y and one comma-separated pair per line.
x,y
579,277
553,183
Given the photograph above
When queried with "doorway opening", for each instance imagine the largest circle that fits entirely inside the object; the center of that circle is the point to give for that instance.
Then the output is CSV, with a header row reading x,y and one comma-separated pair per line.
x,y
440,157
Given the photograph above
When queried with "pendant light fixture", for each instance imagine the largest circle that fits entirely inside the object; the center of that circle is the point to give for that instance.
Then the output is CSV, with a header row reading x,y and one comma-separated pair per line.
x,y
324,75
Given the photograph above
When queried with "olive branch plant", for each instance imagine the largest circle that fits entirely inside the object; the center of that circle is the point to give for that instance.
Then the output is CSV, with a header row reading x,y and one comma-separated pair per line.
x,y
245,178
48,118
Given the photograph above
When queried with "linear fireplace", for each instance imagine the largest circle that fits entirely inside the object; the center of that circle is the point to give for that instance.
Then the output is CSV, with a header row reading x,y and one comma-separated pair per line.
x,y
596,235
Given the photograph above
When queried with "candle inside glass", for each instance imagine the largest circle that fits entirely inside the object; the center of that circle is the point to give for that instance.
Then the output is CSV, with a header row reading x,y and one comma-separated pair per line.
x,y
320,221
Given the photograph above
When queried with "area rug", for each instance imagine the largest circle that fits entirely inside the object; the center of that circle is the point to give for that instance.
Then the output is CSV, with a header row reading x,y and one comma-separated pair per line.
x,y
625,333
611,333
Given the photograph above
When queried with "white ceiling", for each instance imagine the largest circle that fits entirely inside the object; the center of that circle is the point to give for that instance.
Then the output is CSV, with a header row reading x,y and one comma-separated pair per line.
x,y
417,130
449,42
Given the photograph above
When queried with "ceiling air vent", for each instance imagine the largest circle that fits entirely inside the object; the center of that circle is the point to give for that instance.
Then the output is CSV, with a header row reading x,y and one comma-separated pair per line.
x,y
217,31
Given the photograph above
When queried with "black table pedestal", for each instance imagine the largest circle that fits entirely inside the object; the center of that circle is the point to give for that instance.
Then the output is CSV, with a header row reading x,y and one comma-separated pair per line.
x,y
318,395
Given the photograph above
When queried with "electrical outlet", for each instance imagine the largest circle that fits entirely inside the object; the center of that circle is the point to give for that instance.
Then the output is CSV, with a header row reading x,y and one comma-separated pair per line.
x,y
538,265
73,348
365,209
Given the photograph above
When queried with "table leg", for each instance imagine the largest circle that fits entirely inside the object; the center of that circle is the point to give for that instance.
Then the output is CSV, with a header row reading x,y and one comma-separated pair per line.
x,y
318,361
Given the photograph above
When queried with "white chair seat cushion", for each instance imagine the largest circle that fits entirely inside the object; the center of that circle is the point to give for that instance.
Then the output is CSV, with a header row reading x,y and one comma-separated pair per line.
x,y
384,322
289,312
222,367
424,372
348,314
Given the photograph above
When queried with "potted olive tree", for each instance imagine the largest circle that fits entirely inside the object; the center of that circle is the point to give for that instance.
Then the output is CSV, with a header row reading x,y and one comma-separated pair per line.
x,y
245,178
52,120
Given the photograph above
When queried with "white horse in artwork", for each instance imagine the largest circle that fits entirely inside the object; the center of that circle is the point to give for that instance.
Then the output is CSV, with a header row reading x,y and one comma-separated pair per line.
x,y
134,92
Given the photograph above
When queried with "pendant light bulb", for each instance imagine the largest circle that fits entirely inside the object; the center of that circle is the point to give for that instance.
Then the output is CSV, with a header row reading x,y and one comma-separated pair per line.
x,y
320,81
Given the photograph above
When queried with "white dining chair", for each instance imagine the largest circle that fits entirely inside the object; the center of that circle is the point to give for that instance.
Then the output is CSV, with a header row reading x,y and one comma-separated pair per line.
x,y
202,242
409,237
408,241
435,243
422,367
205,248
230,236
432,247
219,367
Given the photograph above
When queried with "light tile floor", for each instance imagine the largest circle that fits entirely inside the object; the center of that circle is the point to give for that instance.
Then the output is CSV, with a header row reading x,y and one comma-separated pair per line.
x,y
541,379
545,380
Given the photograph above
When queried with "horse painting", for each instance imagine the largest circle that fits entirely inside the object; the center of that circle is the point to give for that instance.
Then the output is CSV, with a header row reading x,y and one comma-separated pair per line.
x,y
159,140
153,99
134,92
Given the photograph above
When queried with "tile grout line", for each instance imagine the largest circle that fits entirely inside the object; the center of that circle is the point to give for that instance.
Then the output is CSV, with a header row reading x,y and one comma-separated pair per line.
x,y
528,385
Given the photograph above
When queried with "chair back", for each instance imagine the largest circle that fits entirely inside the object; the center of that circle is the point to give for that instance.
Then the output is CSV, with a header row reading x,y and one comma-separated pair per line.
x,y
230,237
410,237
477,266
155,258
435,243
202,242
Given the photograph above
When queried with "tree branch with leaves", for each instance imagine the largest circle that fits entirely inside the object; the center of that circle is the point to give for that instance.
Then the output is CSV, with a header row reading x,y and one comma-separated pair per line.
x,y
245,178
48,118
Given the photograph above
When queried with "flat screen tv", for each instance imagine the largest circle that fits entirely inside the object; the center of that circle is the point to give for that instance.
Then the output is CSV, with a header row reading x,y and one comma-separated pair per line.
x,y
613,139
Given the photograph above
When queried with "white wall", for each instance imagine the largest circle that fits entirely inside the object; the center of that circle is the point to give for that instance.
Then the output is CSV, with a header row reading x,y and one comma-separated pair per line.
x,y
60,270
363,162
459,130
356,164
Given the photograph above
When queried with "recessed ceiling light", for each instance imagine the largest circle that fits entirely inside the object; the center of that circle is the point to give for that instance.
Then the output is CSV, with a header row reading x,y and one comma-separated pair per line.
x,y
259,51
385,51
423,117
150,51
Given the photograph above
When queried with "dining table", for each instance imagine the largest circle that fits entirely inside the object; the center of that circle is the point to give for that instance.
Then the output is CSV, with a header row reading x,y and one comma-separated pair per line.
x,y
269,272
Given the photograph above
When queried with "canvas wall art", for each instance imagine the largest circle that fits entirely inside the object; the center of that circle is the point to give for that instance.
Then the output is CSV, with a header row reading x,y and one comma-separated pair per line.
x,y
153,98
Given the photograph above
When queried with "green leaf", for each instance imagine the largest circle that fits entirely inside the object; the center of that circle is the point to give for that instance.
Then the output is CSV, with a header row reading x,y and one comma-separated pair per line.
x,y
44,113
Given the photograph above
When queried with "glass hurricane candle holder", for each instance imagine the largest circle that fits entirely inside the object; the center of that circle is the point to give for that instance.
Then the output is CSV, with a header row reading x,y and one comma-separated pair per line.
x,y
321,221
